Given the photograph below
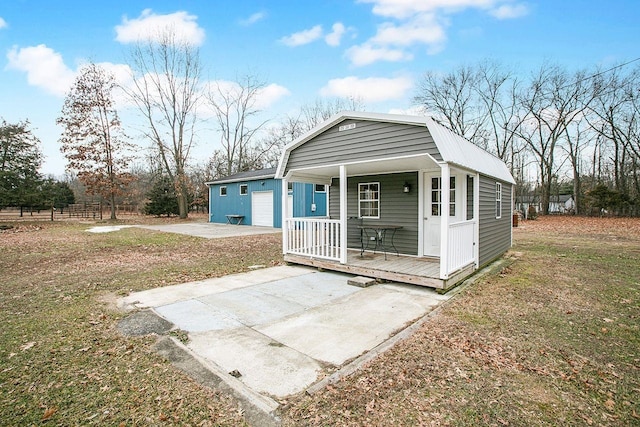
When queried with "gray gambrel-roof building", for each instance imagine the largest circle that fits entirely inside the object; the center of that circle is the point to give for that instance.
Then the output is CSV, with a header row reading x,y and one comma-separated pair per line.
x,y
434,206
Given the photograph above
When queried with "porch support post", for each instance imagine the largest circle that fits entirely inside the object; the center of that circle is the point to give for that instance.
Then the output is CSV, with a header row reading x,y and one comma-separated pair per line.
x,y
343,214
444,221
285,215
476,218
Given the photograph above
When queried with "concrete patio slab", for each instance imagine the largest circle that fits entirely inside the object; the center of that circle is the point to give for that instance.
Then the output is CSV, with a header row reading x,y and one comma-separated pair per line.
x,y
210,230
196,316
251,307
337,332
265,365
280,327
169,294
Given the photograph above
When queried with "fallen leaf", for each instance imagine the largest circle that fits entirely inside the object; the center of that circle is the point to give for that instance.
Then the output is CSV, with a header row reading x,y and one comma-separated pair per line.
x,y
49,412
27,346
370,406
607,320
610,404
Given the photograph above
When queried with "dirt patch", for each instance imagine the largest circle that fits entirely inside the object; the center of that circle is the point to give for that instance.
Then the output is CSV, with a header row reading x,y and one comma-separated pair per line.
x,y
144,322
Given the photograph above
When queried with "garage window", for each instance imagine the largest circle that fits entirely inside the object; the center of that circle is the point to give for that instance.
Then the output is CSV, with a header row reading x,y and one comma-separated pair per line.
x,y
223,191
244,189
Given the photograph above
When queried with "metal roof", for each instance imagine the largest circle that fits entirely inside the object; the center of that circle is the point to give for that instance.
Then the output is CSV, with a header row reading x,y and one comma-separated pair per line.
x,y
245,176
453,148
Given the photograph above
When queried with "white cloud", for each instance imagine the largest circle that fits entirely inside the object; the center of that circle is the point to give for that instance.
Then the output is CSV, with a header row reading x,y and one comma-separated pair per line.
x,y
303,37
121,72
45,68
402,9
333,38
416,110
367,54
3,23
371,89
256,17
423,28
421,22
271,94
150,26
510,11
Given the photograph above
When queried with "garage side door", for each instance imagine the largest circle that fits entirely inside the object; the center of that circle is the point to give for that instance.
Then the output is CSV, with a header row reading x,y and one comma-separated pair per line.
x,y
262,208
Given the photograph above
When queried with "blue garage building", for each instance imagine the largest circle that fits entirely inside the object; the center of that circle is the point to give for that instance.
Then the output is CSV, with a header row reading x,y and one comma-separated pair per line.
x,y
254,198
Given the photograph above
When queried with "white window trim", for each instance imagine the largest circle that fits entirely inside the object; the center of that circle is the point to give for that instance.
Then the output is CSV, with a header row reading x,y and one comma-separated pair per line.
x,y
369,200
240,189
498,200
225,191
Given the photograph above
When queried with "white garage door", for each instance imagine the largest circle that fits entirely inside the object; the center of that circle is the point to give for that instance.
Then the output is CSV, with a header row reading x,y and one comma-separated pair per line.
x,y
262,208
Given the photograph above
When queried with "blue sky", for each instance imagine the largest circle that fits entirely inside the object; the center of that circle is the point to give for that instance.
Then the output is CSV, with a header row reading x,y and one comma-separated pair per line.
x,y
375,50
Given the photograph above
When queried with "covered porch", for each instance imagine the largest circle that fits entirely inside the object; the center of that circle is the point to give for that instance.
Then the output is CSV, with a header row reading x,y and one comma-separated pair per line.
x,y
407,177
442,222
401,268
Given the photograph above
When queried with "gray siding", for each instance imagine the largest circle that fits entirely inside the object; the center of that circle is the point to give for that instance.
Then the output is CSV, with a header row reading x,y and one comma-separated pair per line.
x,y
367,141
396,208
495,234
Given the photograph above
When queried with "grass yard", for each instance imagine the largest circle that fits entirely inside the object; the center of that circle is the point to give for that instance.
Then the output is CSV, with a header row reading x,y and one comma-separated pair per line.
x,y
62,359
554,339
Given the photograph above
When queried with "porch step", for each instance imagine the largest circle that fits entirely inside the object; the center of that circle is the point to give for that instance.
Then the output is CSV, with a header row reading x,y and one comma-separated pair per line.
x,y
361,281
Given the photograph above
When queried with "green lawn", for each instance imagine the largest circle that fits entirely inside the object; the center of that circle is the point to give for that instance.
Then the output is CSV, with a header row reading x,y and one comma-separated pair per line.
x,y
62,357
553,339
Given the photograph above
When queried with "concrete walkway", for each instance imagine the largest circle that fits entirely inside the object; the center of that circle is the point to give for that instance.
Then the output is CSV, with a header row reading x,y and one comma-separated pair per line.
x,y
210,230
277,330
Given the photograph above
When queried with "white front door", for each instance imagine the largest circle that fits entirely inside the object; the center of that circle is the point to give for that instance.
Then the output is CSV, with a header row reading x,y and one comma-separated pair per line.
x,y
432,211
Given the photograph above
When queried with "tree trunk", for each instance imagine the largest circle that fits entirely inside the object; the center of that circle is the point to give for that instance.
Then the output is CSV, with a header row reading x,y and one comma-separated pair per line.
x,y
183,206
113,206
577,197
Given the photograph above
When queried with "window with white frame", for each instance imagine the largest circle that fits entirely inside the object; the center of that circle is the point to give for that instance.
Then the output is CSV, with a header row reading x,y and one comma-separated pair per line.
x,y
452,196
320,188
244,189
436,196
369,200
498,200
223,191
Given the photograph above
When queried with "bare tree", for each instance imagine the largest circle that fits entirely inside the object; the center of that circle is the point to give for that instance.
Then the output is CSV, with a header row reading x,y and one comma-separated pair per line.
x,y
577,139
235,105
552,101
497,90
314,113
452,98
615,116
92,140
166,90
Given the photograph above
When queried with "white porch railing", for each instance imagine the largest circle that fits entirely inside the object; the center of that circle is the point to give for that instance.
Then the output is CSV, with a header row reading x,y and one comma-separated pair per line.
x,y
461,250
313,237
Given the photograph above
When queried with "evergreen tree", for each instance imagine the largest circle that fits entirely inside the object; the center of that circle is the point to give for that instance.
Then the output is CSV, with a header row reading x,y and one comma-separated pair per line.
x,y
162,198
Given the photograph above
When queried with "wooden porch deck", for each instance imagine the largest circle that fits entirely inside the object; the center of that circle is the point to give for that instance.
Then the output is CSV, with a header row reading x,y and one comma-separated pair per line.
x,y
404,269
